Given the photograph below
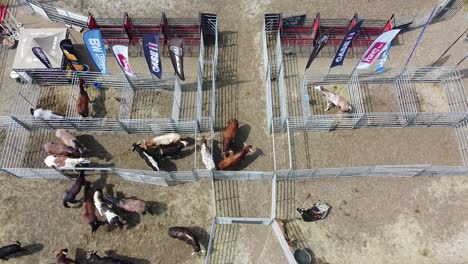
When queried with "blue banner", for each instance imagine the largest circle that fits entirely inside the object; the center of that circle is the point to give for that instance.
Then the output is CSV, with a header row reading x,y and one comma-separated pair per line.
x,y
383,59
97,50
346,44
152,55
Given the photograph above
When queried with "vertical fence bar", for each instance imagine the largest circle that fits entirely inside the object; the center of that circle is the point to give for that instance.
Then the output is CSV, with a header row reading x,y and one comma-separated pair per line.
x,y
214,73
284,245
210,241
281,84
267,74
273,196
176,105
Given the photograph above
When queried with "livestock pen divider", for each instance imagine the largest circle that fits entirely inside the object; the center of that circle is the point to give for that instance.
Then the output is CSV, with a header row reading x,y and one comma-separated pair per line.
x,y
247,221
410,114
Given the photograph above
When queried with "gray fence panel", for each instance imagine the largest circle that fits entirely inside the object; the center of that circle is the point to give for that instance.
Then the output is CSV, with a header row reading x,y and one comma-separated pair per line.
x,y
284,245
242,175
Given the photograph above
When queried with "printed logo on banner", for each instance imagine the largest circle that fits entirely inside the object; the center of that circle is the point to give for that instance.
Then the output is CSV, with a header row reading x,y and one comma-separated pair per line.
x,y
70,53
94,43
345,45
124,62
121,55
383,59
154,54
374,52
344,48
177,56
178,52
317,47
151,50
97,48
376,48
39,53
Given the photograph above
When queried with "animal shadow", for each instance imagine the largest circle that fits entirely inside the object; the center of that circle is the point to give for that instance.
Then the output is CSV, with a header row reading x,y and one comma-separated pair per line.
x,y
94,148
241,137
185,152
167,165
156,208
442,61
101,182
80,255
202,235
217,151
190,141
131,219
113,253
109,189
99,104
28,250
248,159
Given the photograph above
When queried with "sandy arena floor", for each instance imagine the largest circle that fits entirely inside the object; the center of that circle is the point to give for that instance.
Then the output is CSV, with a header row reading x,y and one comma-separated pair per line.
x,y
373,220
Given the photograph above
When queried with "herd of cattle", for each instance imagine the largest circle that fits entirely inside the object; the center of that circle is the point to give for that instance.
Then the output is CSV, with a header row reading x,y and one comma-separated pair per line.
x,y
113,211
70,152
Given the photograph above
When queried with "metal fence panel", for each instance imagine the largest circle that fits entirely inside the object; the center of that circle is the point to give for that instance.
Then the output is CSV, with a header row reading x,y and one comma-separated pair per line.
x,y
242,175
37,7
373,171
177,99
242,220
283,244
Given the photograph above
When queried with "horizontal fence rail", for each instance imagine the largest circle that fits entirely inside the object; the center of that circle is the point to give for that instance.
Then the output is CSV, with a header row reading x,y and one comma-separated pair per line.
x,y
370,171
370,120
390,75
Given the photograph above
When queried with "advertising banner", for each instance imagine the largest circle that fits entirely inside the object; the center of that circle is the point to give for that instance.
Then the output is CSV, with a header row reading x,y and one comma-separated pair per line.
x,y
177,56
128,26
121,54
318,46
70,53
152,54
97,50
294,21
345,45
383,59
39,52
378,46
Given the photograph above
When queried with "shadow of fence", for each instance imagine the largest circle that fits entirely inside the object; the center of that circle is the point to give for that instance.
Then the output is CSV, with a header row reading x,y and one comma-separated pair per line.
x,y
227,94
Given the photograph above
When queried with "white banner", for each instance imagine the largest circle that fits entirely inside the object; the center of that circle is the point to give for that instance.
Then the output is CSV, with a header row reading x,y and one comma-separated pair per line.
x,y
121,54
378,46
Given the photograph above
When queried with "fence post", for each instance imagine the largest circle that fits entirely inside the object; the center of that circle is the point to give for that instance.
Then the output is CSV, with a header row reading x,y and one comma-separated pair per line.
x,y
282,241
210,241
196,128
273,196
289,144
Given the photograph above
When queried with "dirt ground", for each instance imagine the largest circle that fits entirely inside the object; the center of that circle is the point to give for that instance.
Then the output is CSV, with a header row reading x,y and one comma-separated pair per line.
x,y
111,150
258,245
382,147
37,223
418,220
380,220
